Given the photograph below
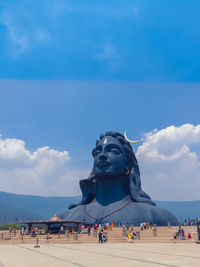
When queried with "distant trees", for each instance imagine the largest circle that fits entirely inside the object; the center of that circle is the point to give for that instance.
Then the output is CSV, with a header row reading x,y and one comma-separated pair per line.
x,y
7,226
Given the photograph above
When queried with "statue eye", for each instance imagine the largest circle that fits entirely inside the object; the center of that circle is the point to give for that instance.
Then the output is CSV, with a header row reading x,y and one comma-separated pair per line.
x,y
114,150
96,152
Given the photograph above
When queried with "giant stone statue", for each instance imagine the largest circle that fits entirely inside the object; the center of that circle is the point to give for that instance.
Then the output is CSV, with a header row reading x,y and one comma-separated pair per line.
x,y
113,192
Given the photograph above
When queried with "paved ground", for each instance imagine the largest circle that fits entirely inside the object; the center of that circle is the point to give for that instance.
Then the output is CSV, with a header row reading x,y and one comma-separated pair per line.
x,y
117,254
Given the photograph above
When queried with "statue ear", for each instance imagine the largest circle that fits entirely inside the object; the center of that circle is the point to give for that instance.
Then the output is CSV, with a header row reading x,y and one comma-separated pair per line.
x,y
128,163
127,170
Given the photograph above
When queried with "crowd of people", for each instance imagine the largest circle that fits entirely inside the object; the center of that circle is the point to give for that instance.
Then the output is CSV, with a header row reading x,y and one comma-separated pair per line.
x,y
180,234
190,222
102,237
100,228
127,230
145,225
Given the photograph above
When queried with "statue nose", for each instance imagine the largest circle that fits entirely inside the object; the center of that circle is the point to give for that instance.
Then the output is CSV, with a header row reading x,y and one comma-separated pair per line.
x,y
103,157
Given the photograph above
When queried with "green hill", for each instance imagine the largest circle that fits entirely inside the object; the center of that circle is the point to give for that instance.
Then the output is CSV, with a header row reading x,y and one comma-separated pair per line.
x,y
28,207
182,209
16,207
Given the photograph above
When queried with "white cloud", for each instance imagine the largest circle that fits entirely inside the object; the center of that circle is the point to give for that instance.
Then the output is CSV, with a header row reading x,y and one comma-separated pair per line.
x,y
43,172
61,7
30,24
41,36
168,161
17,37
22,38
170,170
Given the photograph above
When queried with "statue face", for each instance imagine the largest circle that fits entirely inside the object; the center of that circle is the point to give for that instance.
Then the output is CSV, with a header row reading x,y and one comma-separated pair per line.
x,y
109,157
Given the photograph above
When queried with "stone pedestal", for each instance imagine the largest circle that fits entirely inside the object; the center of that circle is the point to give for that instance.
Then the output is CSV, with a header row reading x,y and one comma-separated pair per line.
x,y
124,234
75,236
67,233
95,233
155,230
137,234
198,230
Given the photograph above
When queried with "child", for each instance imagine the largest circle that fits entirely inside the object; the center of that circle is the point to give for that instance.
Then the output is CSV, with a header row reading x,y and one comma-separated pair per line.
x,y
183,234
133,236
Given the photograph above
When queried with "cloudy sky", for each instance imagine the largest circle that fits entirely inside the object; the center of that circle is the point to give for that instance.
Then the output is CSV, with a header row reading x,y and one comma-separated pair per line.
x,y
70,70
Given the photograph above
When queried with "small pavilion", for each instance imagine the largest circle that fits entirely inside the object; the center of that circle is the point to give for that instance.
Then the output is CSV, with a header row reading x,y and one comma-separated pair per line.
x,y
55,220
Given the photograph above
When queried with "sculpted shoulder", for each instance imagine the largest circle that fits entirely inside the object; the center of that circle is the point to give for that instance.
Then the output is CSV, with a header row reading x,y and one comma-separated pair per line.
x,y
139,212
161,216
134,212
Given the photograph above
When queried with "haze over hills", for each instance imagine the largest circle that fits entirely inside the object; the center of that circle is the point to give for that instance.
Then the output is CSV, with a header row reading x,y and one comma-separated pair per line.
x,y
181,209
16,207
29,207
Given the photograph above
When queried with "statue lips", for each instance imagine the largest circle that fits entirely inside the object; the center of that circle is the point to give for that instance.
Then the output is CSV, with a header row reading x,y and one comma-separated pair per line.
x,y
103,164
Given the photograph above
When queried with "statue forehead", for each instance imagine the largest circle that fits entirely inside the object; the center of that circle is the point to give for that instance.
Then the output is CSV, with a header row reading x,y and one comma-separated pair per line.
x,y
109,140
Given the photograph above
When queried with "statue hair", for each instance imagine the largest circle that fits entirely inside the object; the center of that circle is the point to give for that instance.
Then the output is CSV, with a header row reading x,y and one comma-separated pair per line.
x,y
88,186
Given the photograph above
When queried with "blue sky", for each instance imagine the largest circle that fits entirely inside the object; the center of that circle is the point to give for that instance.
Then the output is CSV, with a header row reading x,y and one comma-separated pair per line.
x,y
49,128
71,115
70,70
142,41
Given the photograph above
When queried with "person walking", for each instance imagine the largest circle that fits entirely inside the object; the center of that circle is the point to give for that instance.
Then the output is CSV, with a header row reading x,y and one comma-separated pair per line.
x,y
179,233
100,237
89,230
141,226
183,234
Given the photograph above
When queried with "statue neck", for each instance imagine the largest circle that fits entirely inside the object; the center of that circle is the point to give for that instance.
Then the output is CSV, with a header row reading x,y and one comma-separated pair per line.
x,y
111,189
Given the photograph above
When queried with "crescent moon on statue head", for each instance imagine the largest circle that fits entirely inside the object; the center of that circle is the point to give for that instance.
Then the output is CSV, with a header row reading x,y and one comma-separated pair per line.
x,y
130,141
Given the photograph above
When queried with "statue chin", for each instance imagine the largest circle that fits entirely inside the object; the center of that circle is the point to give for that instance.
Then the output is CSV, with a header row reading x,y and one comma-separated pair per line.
x,y
107,174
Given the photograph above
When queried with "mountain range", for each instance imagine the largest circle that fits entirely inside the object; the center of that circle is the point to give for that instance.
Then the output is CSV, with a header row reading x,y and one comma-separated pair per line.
x,y
18,207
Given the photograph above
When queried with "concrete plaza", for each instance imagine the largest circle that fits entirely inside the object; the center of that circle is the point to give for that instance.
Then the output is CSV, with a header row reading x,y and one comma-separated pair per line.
x,y
91,254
